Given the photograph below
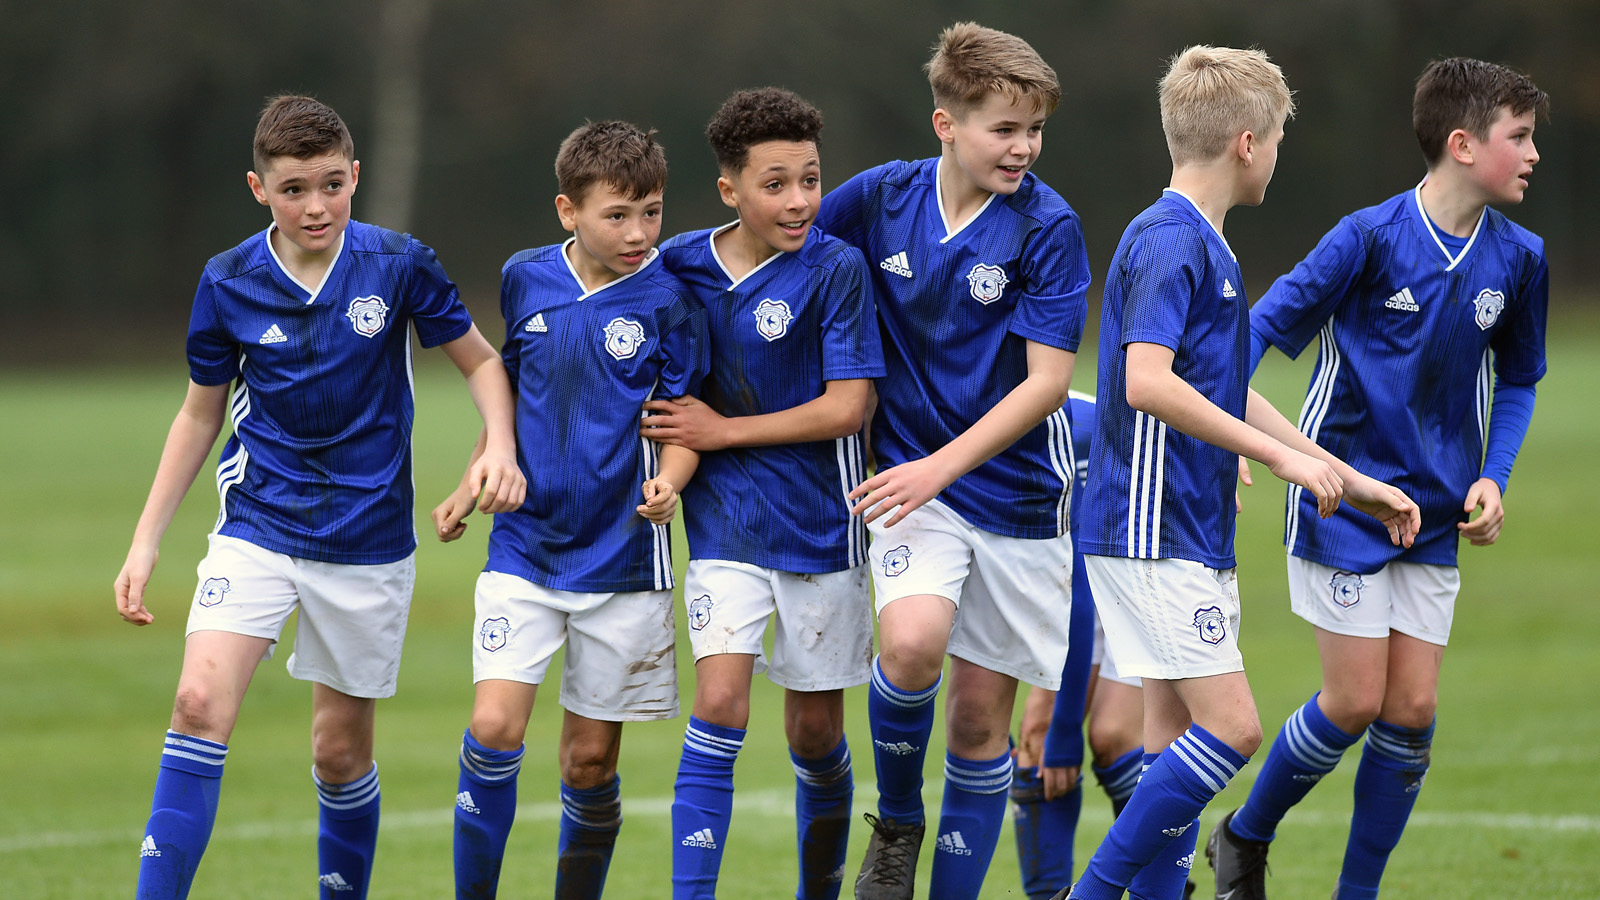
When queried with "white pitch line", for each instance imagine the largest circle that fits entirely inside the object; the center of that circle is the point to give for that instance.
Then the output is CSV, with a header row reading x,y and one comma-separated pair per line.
x,y
769,803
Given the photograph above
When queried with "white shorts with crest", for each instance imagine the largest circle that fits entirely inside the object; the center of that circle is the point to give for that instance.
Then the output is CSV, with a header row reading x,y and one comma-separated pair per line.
x,y
1167,618
1106,662
352,618
1411,598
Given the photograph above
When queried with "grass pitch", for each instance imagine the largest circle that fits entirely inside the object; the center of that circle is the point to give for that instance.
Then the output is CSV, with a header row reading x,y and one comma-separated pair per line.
x,y
1509,810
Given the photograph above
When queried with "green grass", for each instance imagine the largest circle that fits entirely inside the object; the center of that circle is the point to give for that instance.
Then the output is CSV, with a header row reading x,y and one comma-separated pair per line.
x,y
1509,809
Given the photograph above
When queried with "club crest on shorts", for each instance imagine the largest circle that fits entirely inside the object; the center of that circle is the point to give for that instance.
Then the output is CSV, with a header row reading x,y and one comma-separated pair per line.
x,y
495,632
213,591
1489,304
700,612
1212,623
366,315
988,283
1346,588
624,337
772,319
897,560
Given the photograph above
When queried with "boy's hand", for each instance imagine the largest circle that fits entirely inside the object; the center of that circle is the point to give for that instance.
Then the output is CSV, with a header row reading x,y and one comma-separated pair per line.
x,y
1485,498
660,501
908,486
1059,781
1315,476
448,516
131,582
685,422
497,483
1388,504
1244,479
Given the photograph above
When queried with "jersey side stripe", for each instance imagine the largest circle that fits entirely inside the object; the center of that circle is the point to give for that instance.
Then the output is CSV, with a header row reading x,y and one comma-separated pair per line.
x,y
1133,478
1311,415
1161,487
231,470
1060,451
1485,392
849,476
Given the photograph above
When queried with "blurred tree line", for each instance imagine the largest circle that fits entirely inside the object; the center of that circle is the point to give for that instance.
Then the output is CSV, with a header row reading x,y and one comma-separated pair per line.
x,y
125,128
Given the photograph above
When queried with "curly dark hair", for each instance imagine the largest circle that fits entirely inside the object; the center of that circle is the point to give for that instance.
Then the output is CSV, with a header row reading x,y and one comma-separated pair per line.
x,y
758,115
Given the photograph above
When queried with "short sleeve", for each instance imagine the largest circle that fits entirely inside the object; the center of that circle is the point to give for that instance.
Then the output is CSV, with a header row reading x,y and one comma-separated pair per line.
x,y
1519,347
1162,273
844,209
510,352
1298,304
685,352
1055,273
851,347
436,308
213,354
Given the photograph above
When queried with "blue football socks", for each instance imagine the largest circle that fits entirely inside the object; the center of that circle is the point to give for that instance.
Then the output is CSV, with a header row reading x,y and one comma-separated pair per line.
x,y
1183,779
901,723
347,835
974,808
1045,830
1308,747
181,815
486,806
590,820
702,807
1394,762
1120,778
1165,876
824,788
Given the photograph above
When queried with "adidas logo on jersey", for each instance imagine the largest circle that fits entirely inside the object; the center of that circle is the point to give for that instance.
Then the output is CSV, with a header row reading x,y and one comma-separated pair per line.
x,y
148,848
1174,832
951,842
701,838
899,264
333,881
1403,301
536,324
465,804
899,748
1227,289
274,335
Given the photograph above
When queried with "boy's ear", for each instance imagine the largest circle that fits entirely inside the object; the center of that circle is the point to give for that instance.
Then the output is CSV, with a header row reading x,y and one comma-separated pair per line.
x,y
1245,147
944,126
256,187
1458,146
355,175
567,212
726,189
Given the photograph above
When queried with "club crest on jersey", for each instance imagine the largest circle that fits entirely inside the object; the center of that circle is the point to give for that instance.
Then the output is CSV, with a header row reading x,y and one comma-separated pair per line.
x,y
1212,623
700,612
494,633
366,315
1489,304
988,283
624,337
897,560
214,591
1346,588
772,319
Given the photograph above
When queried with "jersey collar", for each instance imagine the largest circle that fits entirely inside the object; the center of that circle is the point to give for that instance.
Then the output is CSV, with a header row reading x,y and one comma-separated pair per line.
x,y
938,202
711,241
1196,207
585,292
1427,226
338,254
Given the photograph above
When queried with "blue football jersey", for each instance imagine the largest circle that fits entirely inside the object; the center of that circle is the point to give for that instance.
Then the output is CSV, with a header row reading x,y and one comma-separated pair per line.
x,y
777,335
319,462
582,364
955,308
1080,409
1153,491
1409,332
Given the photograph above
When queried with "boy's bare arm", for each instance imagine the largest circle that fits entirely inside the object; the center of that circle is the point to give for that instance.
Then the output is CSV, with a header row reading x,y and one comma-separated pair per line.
x,y
688,422
911,484
677,466
497,483
449,517
189,441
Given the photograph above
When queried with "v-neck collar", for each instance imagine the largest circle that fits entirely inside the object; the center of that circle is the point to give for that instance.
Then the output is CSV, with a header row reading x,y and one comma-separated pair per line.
x,y
938,202
711,240
649,259
1190,200
1427,226
313,293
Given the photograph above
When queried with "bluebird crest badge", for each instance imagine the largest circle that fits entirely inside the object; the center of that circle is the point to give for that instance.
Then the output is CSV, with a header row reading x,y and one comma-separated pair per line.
x,y
772,319
367,315
897,560
987,282
1488,304
700,612
495,633
1346,588
213,591
1212,623
623,338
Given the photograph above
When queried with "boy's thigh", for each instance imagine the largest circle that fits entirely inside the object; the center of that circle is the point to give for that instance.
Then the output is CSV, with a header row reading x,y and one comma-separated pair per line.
x,y
352,625
1167,618
926,553
520,626
621,664
1015,606
1411,598
243,589
823,637
728,604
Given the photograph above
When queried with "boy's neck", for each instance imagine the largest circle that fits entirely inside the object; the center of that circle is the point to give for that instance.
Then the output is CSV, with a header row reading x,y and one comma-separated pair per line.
x,y
591,272
307,268
960,197
1452,206
741,250
1211,186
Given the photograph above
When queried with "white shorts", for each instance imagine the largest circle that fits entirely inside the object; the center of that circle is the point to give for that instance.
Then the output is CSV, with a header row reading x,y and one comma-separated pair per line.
x,y
352,618
822,632
619,666
1013,596
1411,598
1167,618
1103,659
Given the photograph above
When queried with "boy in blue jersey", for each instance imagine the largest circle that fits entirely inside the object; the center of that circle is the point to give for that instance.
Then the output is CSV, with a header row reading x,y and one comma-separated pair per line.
x,y
1175,413
1411,299
315,487
594,328
794,346
980,277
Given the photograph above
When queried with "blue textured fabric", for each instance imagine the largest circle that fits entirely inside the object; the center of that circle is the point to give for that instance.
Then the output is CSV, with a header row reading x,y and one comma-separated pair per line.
x,y
1120,778
1045,830
347,835
702,807
901,723
1394,762
486,808
1509,417
973,810
1308,747
590,820
1165,875
824,788
184,809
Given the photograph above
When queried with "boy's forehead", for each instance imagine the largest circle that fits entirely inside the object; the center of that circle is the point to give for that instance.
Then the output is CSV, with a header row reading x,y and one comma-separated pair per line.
x,y
1001,105
780,154
282,168
604,194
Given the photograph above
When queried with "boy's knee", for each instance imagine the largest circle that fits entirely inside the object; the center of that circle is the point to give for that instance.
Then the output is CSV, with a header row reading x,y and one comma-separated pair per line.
x,y
496,730
195,713
586,767
1352,711
813,734
1413,709
1107,743
340,756
912,662
722,705
973,732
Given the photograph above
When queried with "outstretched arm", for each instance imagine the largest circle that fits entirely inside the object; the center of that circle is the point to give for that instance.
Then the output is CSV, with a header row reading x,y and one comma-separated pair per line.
x,y
690,423
189,441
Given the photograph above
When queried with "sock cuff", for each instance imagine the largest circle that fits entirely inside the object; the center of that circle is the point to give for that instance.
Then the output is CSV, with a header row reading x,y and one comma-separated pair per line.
x,y
898,696
597,808
196,756
488,766
1312,740
1201,756
1120,778
1410,747
824,770
978,776
350,800
718,741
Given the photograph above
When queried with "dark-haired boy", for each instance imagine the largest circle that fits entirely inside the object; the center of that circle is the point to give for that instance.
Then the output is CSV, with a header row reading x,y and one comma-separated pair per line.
x,y
980,276
594,328
314,483
794,346
1411,299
